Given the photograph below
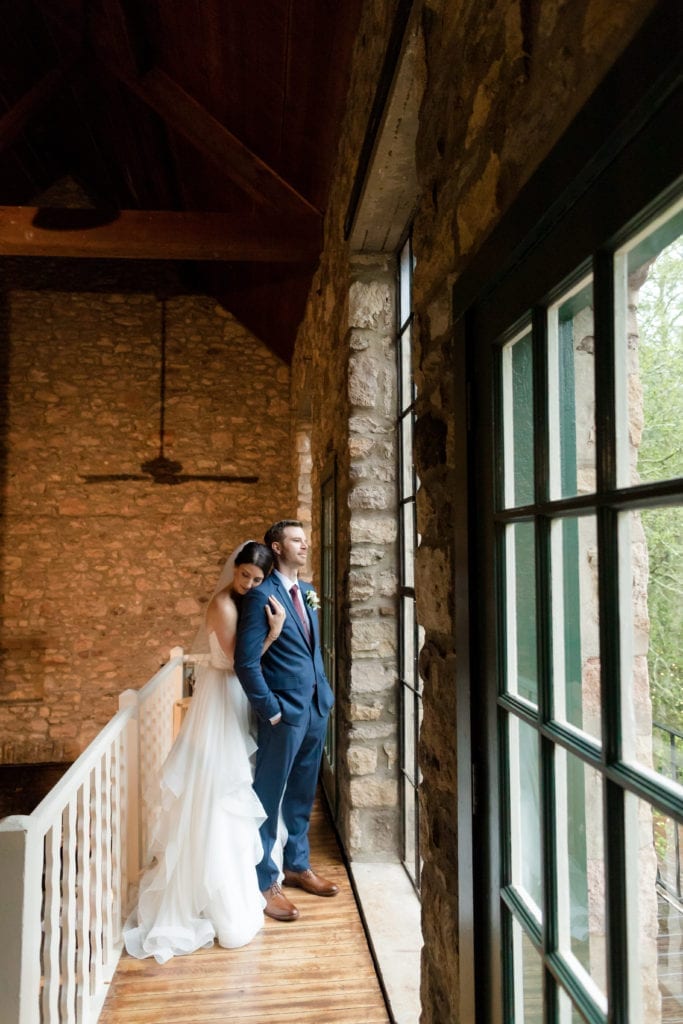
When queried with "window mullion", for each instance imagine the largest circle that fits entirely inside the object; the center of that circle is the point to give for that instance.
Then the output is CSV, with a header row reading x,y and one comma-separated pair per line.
x,y
609,588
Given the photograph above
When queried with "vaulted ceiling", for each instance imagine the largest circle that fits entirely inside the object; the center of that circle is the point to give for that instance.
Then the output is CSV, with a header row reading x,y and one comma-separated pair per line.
x,y
202,131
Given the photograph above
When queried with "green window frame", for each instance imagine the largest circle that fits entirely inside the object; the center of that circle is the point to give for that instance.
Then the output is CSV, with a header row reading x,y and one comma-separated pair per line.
x,y
564,787
410,689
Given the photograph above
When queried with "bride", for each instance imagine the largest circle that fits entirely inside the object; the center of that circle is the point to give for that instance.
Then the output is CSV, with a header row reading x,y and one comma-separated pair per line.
x,y
202,883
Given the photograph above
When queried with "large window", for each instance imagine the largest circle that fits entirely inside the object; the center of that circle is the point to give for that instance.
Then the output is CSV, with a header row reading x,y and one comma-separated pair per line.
x,y
328,618
410,700
576,369
588,570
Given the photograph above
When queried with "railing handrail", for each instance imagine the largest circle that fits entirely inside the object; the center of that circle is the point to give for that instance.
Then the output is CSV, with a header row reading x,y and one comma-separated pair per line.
x,y
70,866
53,803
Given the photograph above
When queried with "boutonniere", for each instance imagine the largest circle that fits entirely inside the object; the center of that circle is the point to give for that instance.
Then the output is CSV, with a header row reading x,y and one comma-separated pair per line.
x,y
312,600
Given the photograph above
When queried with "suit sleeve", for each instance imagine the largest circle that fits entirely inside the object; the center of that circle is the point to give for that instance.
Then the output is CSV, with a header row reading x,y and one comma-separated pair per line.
x,y
252,630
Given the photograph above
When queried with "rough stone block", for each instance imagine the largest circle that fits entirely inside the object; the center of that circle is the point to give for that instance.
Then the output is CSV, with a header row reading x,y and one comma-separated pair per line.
x,y
362,760
370,305
365,712
369,676
361,585
373,638
368,498
365,425
366,556
363,381
367,792
378,530
377,731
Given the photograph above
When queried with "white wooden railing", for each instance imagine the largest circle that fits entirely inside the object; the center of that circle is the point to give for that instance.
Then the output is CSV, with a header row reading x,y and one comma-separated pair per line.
x,y
69,870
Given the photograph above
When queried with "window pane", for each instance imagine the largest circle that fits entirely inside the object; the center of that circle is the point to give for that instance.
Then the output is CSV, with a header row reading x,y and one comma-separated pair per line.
x,y
581,868
518,421
655,913
568,1012
520,562
571,393
575,623
408,652
527,977
409,728
652,543
408,543
524,812
649,295
406,475
405,369
405,277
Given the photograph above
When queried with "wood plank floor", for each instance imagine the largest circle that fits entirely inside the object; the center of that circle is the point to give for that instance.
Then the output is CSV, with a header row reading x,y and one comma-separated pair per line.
x,y
316,970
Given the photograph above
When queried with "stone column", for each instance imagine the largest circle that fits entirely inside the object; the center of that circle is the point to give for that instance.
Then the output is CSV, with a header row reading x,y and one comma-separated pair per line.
x,y
372,597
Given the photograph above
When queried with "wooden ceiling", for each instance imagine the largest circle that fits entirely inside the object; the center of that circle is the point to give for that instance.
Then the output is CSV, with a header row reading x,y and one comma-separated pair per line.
x,y
200,130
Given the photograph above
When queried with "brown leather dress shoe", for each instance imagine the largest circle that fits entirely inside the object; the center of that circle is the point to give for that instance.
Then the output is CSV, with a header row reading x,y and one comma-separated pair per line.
x,y
310,882
277,904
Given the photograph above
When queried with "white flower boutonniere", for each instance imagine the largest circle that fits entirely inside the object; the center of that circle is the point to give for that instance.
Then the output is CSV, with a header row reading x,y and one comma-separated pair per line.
x,y
312,600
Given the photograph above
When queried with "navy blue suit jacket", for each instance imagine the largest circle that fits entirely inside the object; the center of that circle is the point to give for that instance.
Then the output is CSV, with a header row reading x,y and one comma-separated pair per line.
x,y
284,679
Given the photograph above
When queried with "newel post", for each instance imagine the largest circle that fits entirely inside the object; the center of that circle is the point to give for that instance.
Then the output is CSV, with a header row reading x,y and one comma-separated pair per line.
x,y
178,674
20,903
131,788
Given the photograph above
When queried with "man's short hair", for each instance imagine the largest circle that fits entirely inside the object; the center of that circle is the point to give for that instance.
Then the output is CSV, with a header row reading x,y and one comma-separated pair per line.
x,y
276,532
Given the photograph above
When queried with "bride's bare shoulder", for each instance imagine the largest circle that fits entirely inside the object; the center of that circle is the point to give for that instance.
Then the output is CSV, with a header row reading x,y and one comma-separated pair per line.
x,y
221,609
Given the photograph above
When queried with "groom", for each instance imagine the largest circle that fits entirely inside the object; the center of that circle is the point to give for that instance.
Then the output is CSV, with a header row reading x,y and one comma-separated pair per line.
x,y
292,698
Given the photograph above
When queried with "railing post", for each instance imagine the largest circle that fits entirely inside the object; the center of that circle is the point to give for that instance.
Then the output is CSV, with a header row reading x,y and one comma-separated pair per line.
x,y
131,786
179,673
20,897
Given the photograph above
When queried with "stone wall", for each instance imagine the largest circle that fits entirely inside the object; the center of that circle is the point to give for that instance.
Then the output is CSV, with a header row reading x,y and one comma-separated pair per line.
x,y
101,579
328,370
504,80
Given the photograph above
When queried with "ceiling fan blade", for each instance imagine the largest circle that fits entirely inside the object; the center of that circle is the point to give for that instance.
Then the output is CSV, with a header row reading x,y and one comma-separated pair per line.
x,y
103,478
220,478
167,478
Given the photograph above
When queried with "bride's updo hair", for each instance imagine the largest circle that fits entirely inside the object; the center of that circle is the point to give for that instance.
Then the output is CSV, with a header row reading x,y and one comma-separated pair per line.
x,y
256,554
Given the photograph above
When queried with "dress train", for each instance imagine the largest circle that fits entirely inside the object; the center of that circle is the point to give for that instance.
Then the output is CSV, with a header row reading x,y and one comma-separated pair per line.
x,y
205,842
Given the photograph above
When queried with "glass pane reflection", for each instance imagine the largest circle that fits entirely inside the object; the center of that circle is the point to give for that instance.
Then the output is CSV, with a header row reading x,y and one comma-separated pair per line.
x,y
581,866
518,421
655,912
649,290
524,812
520,561
527,978
568,1012
653,707
571,393
576,623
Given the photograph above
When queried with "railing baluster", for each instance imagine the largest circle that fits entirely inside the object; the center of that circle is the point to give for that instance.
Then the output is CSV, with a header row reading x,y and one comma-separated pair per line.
x,y
96,890
51,924
70,868
67,1000
83,883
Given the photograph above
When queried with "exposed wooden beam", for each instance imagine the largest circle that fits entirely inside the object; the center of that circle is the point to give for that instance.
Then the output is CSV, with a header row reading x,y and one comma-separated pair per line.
x,y
109,25
158,235
182,113
13,122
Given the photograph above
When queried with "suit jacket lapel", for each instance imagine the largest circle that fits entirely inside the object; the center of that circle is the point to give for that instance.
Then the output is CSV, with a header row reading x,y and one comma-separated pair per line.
x,y
289,604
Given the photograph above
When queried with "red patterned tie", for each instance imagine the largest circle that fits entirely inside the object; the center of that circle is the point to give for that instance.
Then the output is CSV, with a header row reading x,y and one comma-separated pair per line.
x,y
298,605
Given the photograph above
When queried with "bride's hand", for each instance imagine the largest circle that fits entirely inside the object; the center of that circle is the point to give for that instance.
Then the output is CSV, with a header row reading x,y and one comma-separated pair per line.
x,y
276,615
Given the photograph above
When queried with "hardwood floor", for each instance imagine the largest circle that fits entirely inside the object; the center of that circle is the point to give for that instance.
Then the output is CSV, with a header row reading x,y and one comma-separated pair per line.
x,y
316,970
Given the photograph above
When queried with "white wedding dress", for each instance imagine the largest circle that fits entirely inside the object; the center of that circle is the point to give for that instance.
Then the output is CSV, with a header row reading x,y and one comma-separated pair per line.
x,y
202,882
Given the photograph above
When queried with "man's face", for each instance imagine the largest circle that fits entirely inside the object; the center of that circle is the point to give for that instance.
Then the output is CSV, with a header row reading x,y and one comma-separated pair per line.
x,y
293,548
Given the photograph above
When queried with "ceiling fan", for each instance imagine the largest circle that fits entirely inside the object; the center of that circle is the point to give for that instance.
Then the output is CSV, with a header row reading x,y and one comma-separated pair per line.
x,y
161,469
